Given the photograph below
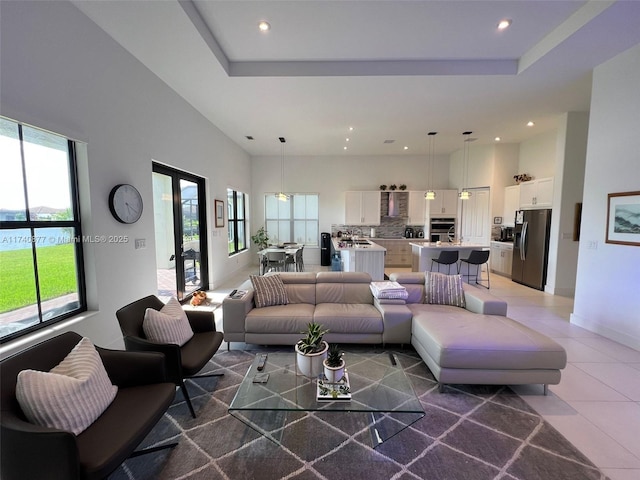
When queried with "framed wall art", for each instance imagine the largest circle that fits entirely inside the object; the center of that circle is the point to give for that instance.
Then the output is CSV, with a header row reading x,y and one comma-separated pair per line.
x,y
623,218
219,213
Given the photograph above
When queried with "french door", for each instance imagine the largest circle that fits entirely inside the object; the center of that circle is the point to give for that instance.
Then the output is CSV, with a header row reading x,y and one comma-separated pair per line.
x,y
180,224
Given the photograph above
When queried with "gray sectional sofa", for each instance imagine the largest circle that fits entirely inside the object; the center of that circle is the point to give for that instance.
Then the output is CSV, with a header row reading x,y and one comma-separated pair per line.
x,y
477,344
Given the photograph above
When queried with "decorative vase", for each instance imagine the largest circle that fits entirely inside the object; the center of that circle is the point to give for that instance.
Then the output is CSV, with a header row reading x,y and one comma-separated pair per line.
x,y
333,374
311,364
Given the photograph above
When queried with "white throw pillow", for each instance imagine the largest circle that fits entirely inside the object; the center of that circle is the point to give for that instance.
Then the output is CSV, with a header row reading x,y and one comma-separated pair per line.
x,y
72,395
169,325
441,289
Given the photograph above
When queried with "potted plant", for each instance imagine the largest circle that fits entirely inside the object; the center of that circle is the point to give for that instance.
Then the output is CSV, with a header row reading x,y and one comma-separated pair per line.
x,y
402,187
334,364
312,350
261,239
392,187
383,187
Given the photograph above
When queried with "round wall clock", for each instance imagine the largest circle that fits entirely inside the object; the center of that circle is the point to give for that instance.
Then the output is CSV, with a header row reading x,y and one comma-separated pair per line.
x,y
125,203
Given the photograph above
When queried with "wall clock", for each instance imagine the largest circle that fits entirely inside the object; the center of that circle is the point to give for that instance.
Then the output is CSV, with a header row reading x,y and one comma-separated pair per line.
x,y
125,203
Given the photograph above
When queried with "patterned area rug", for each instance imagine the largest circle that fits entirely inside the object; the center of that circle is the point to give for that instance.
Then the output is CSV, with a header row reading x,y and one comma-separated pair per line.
x,y
468,432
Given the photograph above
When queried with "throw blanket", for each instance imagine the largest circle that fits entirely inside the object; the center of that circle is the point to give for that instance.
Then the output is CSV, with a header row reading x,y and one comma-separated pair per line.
x,y
392,290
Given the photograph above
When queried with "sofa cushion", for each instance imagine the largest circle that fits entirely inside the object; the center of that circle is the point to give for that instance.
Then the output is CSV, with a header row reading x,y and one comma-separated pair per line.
x,y
169,325
269,290
72,395
291,318
441,289
457,338
349,317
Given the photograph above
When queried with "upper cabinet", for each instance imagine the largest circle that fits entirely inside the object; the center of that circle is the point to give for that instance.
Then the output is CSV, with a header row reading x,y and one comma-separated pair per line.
x,y
417,209
362,208
511,204
445,203
536,193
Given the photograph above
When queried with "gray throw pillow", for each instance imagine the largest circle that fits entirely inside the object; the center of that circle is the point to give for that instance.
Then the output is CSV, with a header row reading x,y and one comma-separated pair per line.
x,y
441,289
269,291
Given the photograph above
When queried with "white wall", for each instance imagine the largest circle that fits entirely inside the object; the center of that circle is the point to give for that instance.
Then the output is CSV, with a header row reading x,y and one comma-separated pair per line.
x,y
608,282
62,73
331,177
538,155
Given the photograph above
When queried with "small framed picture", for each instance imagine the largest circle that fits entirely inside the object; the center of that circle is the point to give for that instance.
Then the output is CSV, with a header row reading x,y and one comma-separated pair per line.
x,y
497,220
219,213
623,218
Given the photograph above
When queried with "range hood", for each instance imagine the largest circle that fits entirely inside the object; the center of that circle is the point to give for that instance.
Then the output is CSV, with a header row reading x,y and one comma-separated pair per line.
x,y
394,205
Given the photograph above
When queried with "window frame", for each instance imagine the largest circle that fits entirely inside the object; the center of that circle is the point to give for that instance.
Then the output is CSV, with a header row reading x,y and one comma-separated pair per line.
x,y
292,219
33,225
233,223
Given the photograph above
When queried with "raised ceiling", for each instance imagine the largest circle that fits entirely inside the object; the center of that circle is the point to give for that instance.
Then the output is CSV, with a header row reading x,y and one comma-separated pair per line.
x,y
393,70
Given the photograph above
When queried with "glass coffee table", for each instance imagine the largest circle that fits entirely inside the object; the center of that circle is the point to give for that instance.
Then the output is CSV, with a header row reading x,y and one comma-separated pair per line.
x,y
382,401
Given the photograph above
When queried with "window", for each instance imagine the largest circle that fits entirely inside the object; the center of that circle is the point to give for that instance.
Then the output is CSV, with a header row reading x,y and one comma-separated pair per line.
x,y
236,223
41,263
293,220
180,224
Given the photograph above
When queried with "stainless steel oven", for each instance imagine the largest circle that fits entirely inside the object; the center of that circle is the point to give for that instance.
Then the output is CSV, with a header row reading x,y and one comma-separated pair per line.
x,y
441,229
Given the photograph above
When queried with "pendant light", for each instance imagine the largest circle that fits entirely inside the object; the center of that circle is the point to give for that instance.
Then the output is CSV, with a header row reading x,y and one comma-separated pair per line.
x,y
464,193
283,197
430,193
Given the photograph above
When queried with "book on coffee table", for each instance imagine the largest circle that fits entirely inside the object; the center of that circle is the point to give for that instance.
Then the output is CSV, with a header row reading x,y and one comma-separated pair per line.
x,y
333,392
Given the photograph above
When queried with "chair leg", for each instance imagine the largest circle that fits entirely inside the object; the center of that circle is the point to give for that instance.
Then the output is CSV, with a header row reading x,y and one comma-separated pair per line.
x,y
185,393
146,451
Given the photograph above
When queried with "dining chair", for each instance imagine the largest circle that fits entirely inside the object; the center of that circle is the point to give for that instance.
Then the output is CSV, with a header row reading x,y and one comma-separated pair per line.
x,y
276,261
446,257
477,258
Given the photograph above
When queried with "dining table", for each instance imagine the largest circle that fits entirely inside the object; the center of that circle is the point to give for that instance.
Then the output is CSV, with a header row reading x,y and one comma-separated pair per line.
x,y
288,250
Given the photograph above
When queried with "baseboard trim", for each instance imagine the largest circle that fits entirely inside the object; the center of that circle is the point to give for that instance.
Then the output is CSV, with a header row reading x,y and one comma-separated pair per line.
x,y
605,331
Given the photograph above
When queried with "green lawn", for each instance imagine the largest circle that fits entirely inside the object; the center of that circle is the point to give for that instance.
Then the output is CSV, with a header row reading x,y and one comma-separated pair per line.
x,y
56,269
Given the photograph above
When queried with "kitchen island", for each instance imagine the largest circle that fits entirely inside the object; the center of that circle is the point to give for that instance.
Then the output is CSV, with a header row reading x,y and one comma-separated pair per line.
x,y
423,252
361,256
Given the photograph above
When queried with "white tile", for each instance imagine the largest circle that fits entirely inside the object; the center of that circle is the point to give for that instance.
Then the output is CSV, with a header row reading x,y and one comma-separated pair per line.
x,y
634,365
578,385
619,420
613,349
622,474
579,352
596,445
618,376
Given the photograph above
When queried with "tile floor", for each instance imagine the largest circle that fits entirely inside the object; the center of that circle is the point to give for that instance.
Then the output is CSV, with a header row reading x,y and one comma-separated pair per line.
x,y
596,406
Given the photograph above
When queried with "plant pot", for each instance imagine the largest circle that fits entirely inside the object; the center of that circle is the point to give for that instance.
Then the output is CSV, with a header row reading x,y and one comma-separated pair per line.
x,y
333,374
310,364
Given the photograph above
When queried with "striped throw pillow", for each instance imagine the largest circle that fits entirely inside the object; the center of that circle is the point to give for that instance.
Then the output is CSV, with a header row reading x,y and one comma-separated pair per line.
x,y
72,395
169,325
441,289
269,291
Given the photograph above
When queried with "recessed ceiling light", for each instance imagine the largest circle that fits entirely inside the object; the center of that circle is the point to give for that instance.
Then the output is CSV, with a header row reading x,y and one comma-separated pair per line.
x,y
264,26
344,148
504,24
497,139
530,124
406,148
351,129
347,139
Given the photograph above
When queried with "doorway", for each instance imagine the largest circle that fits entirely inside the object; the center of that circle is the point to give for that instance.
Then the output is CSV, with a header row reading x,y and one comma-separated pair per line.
x,y
476,217
180,224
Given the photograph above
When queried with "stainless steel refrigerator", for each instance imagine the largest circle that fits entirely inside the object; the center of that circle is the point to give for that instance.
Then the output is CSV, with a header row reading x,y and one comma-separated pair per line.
x,y
531,247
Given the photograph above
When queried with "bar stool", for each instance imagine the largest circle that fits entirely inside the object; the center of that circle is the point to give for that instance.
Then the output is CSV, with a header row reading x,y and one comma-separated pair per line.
x,y
477,258
446,257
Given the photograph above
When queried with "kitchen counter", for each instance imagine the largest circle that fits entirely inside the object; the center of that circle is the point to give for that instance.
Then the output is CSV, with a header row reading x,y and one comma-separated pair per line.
x,y
367,257
423,252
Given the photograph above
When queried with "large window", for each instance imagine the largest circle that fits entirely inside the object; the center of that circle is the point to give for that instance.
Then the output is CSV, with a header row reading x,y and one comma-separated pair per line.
x,y
41,265
236,216
292,220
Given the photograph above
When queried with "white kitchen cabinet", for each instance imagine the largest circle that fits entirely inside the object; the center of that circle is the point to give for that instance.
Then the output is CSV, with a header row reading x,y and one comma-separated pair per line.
x,y
536,193
362,208
511,204
445,203
417,209
501,258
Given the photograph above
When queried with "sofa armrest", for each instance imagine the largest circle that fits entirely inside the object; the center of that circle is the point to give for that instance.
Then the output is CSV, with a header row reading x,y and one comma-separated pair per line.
x,y
128,369
396,321
479,301
171,352
234,312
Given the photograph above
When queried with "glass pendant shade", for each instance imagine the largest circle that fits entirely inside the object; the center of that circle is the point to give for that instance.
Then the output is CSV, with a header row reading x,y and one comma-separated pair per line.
x,y
430,195
283,197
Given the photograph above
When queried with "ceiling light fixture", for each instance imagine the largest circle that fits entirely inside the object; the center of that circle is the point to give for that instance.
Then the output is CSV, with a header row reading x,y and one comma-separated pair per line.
x,y
504,24
406,148
351,129
464,193
497,139
430,194
344,148
530,124
283,197
264,26
347,139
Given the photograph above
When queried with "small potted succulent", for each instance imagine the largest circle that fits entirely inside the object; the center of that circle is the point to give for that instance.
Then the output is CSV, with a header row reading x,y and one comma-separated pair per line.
x,y
312,350
392,187
334,364
383,187
402,187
